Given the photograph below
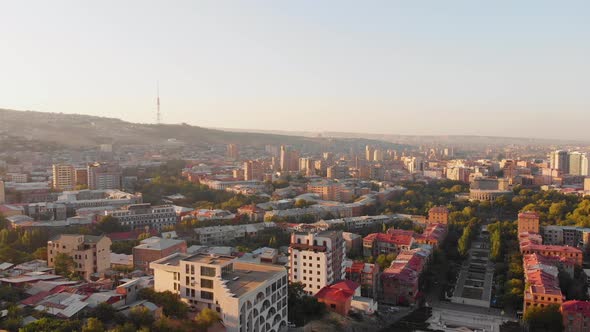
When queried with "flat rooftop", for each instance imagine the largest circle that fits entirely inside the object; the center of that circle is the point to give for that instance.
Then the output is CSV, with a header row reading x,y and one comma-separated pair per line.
x,y
246,277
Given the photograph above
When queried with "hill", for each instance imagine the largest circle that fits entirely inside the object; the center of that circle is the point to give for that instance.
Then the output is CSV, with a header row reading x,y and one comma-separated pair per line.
x,y
83,130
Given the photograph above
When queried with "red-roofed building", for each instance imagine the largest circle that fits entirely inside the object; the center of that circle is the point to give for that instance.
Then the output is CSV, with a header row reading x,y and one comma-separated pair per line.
x,y
565,252
541,276
433,235
364,274
400,281
576,316
338,296
394,241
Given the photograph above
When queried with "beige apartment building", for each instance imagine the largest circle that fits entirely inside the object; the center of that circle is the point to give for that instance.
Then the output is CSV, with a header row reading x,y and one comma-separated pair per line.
x,y
248,296
64,177
91,254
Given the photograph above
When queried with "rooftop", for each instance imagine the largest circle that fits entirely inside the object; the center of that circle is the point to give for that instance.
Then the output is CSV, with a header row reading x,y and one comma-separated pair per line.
x,y
247,277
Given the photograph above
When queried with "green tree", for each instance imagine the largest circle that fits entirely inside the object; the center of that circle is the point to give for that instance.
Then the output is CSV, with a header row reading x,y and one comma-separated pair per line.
x,y
64,265
141,316
109,224
206,318
52,325
173,306
302,307
93,325
40,253
544,319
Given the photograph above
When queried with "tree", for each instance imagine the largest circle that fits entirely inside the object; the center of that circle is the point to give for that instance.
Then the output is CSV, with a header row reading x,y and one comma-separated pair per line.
x,y
40,253
104,312
93,325
302,307
141,316
171,302
52,325
109,224
544,318
64,265
206,318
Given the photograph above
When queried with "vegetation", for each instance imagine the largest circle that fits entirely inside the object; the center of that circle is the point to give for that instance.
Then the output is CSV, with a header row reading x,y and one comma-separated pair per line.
x,y
206,318
52,325
544,319
302,307
173,306
65,265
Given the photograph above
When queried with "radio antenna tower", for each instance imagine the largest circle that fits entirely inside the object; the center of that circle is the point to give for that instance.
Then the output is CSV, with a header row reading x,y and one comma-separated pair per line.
x,y
158,103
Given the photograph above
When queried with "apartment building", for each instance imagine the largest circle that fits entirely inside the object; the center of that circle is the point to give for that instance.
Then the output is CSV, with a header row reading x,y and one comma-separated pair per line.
x,y
316,259
393,242
154,248
528,222
364,274
142,215
64,177
91,254
248,296
216,235
400,281
104,176
576,316
542,282
566,235
438,215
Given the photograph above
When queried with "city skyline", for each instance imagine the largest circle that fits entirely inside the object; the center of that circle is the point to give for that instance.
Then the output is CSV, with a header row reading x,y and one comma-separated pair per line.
x,y
392,68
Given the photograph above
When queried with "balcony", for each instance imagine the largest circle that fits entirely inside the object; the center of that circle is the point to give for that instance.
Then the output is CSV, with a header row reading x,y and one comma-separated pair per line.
x,y
303,246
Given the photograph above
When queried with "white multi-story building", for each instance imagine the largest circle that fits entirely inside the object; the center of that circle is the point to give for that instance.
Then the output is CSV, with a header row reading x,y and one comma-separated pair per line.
x,y
248,296
216,235
142,215
316,259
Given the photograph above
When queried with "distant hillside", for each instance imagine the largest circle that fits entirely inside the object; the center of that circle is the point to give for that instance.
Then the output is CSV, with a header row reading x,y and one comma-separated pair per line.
x,y
84,130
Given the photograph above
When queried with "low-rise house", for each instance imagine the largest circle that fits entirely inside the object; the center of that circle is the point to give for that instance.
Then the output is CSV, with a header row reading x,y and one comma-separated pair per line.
x,y
338,296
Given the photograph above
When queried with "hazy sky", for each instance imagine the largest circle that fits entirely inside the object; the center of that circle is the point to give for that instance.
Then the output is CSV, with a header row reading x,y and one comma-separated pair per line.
x,y
518,68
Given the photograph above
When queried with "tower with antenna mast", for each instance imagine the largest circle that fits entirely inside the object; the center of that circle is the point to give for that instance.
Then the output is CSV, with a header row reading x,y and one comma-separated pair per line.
x,y
158,103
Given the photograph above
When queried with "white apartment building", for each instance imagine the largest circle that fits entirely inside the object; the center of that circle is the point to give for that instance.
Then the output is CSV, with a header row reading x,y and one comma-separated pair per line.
x,y
316,259
248,296
142,215
216,235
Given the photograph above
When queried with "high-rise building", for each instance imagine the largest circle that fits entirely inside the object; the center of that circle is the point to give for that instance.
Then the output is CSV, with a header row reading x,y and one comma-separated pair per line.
x,y
316,259
378,155
369,153
559,159
233,152
289,159
586,185
248,296
64,177
81,176
575,163
528,222
253,170
104,176
91,254
307,166
2,193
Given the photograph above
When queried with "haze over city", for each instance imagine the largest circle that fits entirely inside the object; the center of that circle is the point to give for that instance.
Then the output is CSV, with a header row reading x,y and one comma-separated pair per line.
x,y
500,68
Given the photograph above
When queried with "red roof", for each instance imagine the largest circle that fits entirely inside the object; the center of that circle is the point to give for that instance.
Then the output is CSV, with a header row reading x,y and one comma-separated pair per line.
x,y
338,292
576,307
397,236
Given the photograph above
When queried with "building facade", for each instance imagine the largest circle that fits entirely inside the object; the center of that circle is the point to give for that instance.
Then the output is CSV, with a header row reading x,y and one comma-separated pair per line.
x,y
144,215
91,254
528,222
64,177
154,248
248,296
316,259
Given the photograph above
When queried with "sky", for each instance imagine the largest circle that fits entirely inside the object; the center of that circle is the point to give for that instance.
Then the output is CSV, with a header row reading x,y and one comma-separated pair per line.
x,y
501,68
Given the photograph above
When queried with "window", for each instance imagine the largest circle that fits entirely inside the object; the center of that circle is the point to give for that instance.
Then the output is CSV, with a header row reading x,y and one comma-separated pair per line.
x,y
187,281
207,271
193,269
206,295
206,283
